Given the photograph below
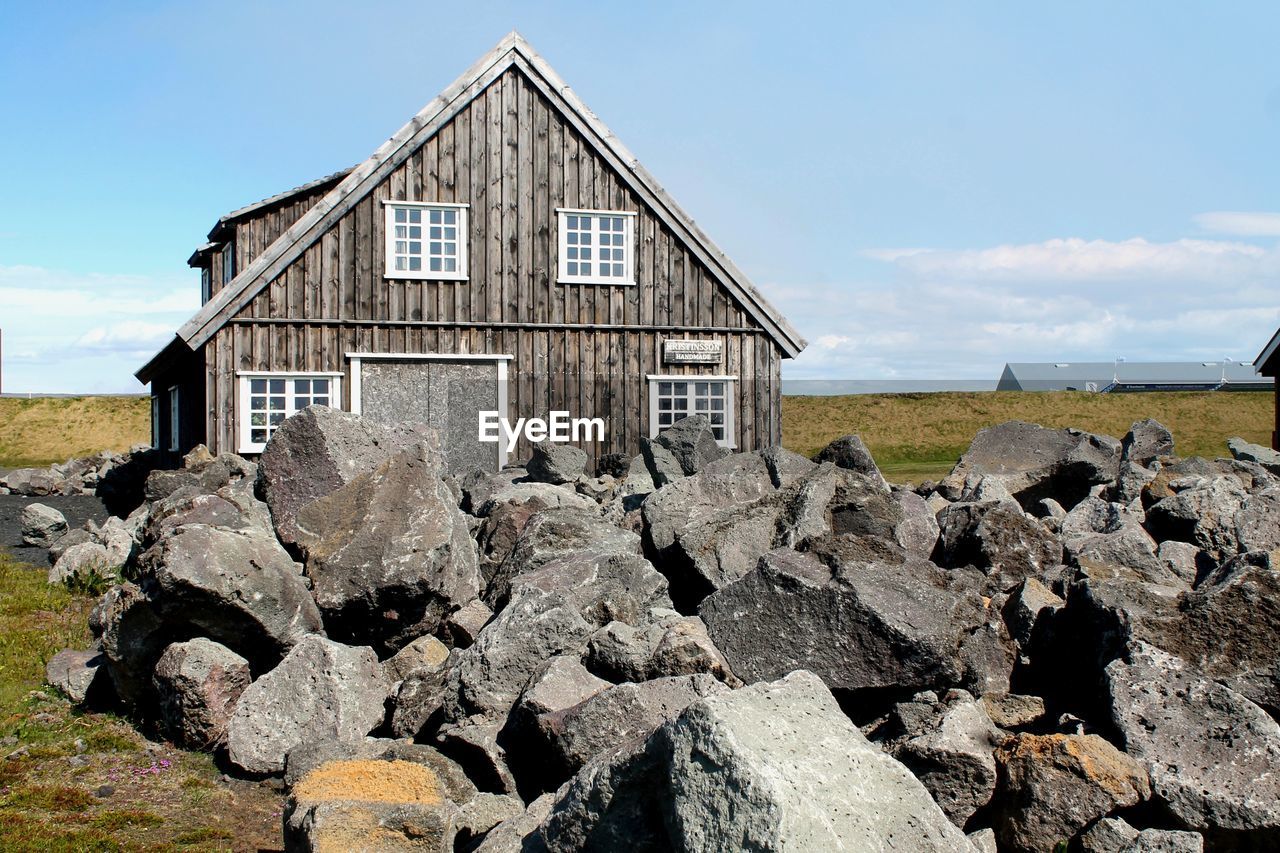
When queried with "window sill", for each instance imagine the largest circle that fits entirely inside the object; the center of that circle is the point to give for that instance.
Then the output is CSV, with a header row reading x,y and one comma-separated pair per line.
x,y
407,276
617,281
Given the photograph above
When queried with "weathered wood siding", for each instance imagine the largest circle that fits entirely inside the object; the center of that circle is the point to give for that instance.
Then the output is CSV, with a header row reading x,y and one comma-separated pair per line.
x,y
584,348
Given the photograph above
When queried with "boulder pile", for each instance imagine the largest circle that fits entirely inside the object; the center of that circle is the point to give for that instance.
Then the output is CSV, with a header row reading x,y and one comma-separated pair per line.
x,y
1069,643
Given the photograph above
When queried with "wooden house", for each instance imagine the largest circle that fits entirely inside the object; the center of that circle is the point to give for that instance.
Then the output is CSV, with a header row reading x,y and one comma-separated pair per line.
x,y
501,252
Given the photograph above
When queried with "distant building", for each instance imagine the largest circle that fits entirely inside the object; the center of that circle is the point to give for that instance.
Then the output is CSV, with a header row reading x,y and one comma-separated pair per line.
x,y
1268,362
1121,376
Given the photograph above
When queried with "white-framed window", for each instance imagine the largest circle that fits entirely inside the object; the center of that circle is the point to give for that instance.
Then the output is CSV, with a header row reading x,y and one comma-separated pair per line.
x,y
228,262
266,399
206,285
672,398
155,421
596,247
426,240
175,419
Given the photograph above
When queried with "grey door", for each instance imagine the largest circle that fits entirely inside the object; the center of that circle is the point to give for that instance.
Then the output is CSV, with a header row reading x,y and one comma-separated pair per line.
x,y
446,395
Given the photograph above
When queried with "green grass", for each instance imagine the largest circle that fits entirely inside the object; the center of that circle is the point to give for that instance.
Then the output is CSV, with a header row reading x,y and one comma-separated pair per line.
x,y
163,798
44,430
919,436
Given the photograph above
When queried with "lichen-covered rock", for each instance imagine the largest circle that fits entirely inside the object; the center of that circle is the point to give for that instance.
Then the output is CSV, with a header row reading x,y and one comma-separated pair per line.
x,y
751,769
1213,756
321,690
955,758
41,525
1053,786
198,683
426,652
240,589
389,553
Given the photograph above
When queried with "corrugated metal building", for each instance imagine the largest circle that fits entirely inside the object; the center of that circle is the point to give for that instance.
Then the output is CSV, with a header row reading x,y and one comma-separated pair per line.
x,y
1119,376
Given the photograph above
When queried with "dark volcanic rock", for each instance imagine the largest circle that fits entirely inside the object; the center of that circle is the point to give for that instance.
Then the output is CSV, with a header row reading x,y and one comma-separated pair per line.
x,y
689,442
389,553
849,452
998,539
907,625
556,463
198,683
319,449
1146,441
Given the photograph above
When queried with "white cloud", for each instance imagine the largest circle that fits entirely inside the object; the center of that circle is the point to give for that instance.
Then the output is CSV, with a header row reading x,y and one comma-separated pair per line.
x,y
1240,223
71,332
1073,259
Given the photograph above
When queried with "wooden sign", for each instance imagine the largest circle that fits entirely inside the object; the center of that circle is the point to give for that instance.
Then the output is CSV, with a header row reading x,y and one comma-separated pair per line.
x,y
692,352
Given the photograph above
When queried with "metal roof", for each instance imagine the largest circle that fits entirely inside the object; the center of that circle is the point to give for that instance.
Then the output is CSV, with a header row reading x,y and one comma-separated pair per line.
x,y
1097,375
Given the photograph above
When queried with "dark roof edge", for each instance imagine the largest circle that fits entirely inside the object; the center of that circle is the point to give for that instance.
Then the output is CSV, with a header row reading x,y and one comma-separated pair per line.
x,y
241,212
1267,356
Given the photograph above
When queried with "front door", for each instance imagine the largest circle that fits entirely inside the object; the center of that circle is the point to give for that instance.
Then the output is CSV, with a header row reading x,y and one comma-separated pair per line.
x,y
444,392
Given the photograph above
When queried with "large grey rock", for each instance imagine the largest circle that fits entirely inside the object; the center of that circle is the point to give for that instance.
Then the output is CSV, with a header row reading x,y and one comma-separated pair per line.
x,y
389,553
417,700
1203,515
553,534
426,652
321,690
1213,756
918,531
1034,462
1114,835
198,683
849,452
1246,452
59,546
476,745
619,714
519,834
955,759
558,685
671,645
1028,609
1258,521
505,515
132,637
319,449
751,770
75,673
689,442
240,589
859,624
998,539
553,610
83,560
1146,441
34,482
556,463
205,478
41,525
1053,786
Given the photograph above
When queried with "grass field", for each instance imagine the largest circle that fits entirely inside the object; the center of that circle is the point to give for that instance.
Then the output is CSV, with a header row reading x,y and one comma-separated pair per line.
x,y
913,436
56,760
44,430
919,436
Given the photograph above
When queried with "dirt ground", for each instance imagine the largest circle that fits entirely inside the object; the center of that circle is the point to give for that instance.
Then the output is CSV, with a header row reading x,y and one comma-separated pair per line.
x,y
76,508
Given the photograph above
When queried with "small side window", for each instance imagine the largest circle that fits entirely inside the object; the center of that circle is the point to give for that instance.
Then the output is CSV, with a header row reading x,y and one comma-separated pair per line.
x,y
228,262
175,419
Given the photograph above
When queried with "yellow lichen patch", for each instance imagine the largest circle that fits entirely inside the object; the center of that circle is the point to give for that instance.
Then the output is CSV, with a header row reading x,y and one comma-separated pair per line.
x,y
369,782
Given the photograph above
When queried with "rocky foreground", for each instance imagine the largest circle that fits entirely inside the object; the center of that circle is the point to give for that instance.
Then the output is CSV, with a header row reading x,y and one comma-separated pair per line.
x,y
1070,643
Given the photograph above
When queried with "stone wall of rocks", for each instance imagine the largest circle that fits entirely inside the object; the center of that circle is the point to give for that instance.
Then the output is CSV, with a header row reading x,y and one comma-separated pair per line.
x,y
1069,643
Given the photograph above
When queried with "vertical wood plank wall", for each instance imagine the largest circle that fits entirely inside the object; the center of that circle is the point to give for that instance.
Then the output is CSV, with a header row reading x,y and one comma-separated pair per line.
x,y
514,159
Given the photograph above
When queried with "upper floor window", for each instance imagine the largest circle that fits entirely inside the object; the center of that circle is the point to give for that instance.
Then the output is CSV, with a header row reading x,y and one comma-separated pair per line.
x,y
597,247
206,284
228,262
426,240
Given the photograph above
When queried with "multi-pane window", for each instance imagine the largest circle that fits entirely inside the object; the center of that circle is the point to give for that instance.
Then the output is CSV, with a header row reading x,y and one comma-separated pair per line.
x,y
175,419
672,398
426,241
596,246
155,421
267,399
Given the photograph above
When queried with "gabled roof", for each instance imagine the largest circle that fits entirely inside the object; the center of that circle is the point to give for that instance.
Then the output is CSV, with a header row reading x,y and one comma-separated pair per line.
x,y
512,51
1266,360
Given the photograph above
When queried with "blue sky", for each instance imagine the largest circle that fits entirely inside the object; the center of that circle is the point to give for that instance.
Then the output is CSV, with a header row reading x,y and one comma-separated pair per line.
x,y
925,190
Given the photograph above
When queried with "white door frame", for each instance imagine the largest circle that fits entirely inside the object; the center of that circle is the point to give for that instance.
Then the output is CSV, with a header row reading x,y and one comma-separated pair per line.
x,y
500,361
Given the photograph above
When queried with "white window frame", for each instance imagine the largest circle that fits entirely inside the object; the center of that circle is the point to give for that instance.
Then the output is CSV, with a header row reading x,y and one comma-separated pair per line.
x,y
628,244
228,262
206,284
175,418
731,394
389,208
155,421
244,429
